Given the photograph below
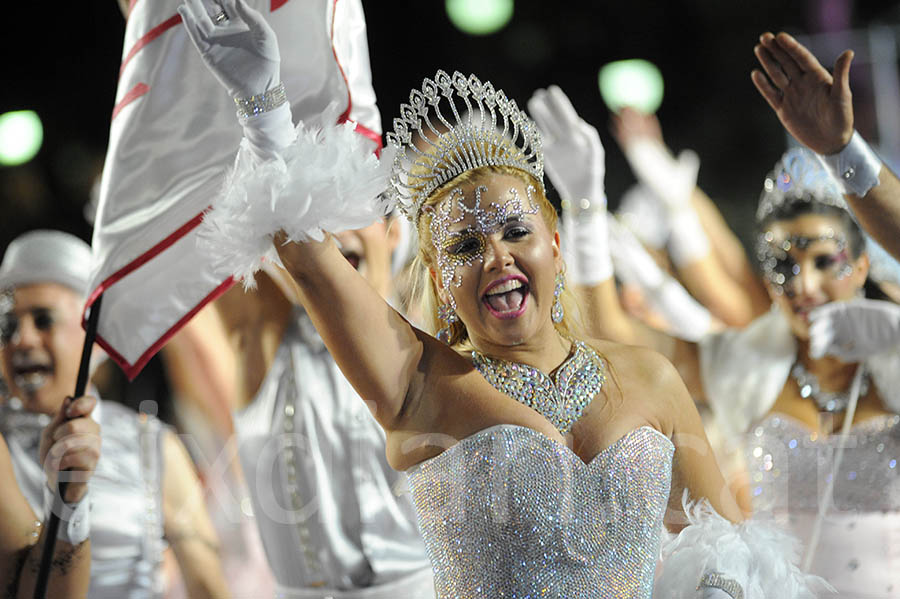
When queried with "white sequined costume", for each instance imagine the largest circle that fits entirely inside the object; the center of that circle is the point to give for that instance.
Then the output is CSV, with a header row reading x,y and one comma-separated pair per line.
x,y
508,512
859,547
333,515
126,502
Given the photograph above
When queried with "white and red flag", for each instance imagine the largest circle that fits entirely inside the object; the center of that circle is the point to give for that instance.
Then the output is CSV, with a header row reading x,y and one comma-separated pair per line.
x,y
173,137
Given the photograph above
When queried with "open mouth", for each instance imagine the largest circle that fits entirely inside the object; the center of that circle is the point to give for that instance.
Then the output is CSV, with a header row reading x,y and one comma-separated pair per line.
x,y
29,376
803,311
353,258
507,297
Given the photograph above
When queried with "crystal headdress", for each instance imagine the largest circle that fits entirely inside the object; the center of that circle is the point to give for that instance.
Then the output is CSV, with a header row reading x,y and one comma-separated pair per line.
x,y
454,124
798,177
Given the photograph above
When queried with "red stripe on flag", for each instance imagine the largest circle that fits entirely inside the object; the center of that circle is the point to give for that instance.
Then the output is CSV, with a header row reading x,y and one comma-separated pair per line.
x,y
373,135
346,114
276,4
131,4
149,37
362,129
147,256
132,370
133,94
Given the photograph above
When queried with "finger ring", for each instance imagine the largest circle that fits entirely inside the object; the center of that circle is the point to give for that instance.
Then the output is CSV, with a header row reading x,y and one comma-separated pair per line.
x,y
221,17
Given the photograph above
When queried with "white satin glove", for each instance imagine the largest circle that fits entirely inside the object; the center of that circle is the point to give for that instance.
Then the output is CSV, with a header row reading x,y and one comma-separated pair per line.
x,y
241,51
854,330
685,317
573,155
585,233
672,181
574,161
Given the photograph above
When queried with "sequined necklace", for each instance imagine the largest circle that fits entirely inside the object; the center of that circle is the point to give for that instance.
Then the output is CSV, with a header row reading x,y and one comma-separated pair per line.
x,y
560,398
827,401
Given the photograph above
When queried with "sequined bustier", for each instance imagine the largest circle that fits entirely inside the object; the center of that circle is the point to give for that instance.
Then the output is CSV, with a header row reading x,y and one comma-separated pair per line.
x,y
789,466
859,545
508,512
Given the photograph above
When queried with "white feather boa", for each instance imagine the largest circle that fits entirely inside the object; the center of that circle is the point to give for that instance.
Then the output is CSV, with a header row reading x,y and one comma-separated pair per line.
x,y
760,558
326,180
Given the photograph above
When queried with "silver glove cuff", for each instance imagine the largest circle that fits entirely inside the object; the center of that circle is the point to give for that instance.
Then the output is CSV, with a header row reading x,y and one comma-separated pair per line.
x,y
265,102
74,518
715,580
856,167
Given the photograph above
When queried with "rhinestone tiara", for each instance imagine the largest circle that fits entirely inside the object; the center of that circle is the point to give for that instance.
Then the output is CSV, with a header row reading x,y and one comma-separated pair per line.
x,y
798,177
460,124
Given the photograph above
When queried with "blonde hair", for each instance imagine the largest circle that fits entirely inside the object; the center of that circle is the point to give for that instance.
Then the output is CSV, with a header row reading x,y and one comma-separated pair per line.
x,y
425,291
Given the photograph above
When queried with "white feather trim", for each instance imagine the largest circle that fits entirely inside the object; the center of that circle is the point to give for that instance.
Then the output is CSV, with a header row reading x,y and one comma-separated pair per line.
x,y
327,180
757,556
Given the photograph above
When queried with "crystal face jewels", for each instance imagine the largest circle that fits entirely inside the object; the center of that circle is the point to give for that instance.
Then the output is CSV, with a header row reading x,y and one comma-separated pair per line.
x,y
465,247
452,125
560,398
779,267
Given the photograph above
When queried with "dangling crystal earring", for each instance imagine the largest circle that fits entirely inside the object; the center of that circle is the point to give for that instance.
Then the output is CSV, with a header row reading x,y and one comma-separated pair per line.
x,y
448,315
556,312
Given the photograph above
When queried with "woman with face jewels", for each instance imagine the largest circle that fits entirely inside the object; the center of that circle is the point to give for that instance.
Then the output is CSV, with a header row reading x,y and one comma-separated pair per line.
x,y
821,433
539,463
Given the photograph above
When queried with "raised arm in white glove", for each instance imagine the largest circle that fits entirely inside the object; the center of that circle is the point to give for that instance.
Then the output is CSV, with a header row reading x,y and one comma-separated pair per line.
x,y
854,330
241,51
686,318
671,180
574,160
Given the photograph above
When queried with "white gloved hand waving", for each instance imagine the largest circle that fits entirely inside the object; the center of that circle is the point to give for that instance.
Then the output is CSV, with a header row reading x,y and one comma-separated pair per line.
x,y
854,330
573,155
574,161
240,49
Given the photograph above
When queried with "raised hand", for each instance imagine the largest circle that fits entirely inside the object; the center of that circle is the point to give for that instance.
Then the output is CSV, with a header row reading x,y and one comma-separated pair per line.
x,y
854,330
71,443
236,44
630,125
814,106
671,179
573,154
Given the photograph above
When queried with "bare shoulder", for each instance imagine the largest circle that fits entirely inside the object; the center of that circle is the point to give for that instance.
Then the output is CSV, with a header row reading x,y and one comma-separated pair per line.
x,y
636,364
645,377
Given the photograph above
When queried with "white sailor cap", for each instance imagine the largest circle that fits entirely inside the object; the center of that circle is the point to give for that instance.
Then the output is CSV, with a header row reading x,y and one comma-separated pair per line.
x,y
45,256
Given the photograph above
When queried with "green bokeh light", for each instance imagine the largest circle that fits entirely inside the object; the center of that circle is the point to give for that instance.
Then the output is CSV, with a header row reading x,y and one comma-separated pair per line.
x,y
634,82
21,135
479,17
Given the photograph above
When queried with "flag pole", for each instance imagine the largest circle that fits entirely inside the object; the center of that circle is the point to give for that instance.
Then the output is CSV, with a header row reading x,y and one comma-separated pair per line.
x,y
52,526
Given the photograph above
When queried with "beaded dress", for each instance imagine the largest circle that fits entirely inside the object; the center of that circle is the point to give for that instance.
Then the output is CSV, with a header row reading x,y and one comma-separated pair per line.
x,y
789,467
126,503
508,512
859,547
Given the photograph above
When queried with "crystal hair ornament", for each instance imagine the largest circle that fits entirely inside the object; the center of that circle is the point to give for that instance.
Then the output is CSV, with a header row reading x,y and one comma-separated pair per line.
x,y
465,247
798,177
452,125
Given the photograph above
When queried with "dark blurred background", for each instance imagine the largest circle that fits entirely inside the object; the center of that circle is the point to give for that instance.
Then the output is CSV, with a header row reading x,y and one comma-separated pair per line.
x,y
62,59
